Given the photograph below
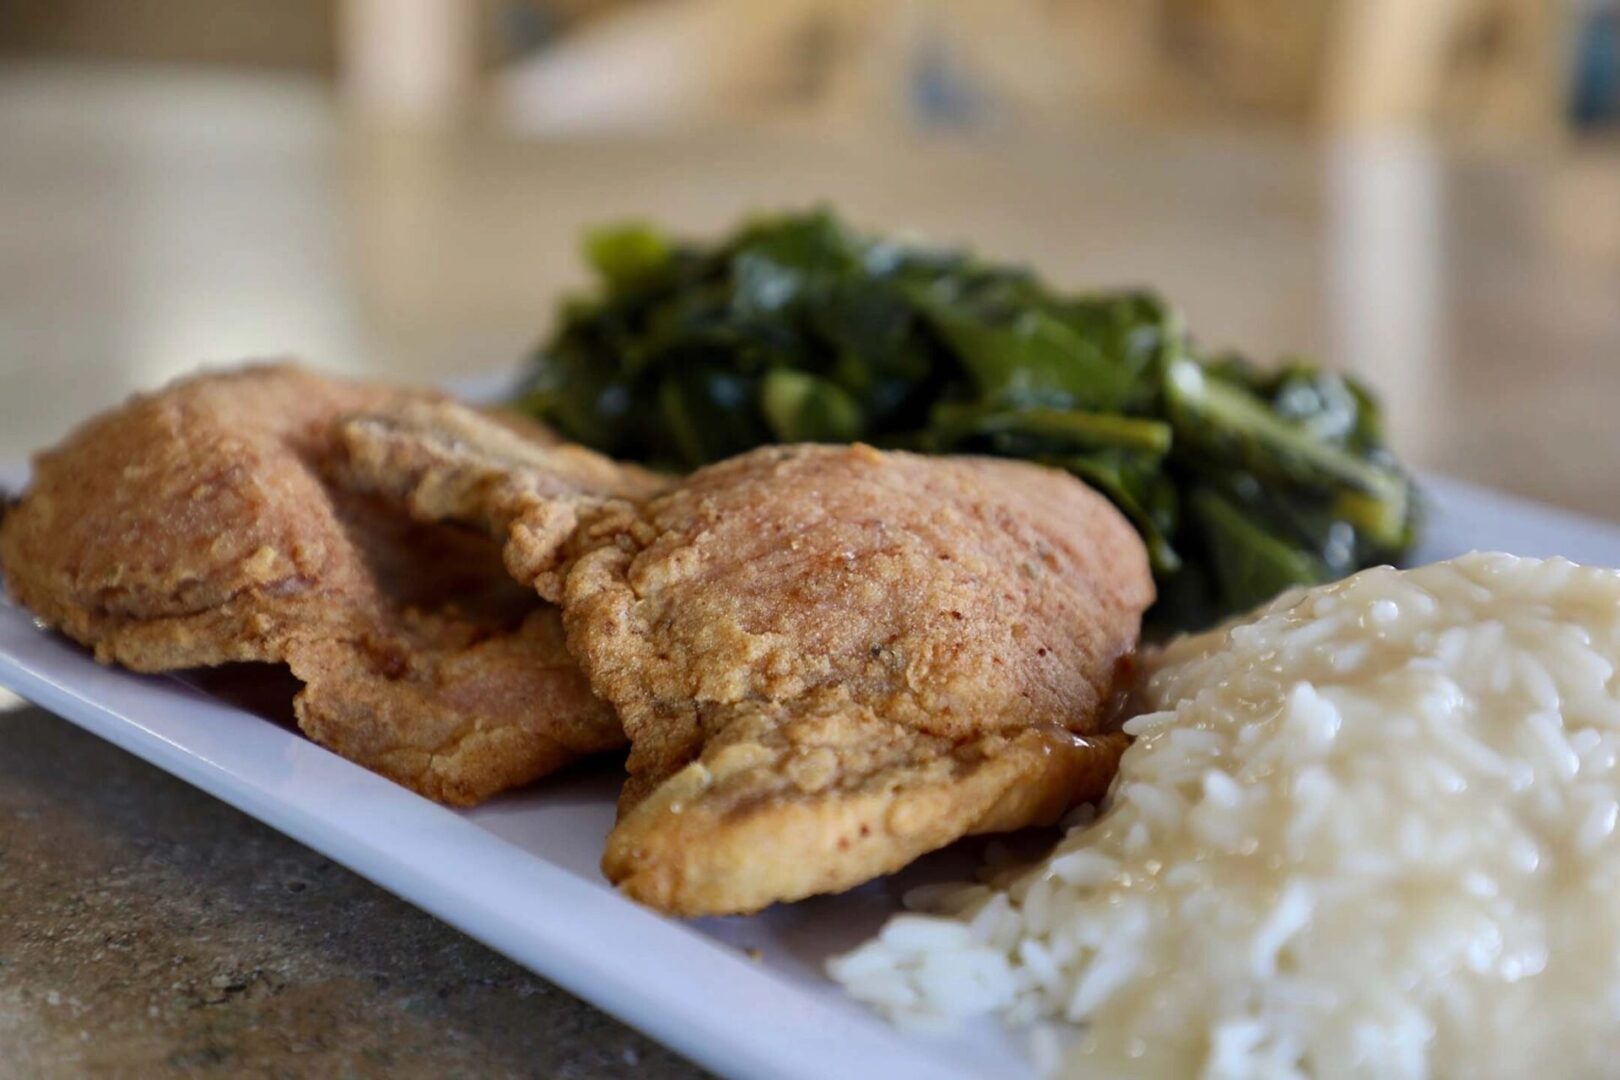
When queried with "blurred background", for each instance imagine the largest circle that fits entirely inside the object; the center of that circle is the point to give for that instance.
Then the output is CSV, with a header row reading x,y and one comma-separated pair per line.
x,y
1425,191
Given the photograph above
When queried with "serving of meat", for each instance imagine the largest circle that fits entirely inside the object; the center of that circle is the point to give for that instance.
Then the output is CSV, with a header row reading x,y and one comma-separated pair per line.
x,y
199,526
828,660
831,660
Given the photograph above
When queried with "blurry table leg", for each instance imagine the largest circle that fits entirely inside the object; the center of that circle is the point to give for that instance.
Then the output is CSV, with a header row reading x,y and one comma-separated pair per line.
x,y
1386,279
408,62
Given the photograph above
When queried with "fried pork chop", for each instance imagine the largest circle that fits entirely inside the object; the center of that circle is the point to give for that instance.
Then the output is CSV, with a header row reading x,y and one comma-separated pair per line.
x,y
199,526
829,660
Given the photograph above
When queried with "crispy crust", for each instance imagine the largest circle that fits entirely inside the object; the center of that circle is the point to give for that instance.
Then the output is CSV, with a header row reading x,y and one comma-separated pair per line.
x,y
199,526
515,481
831,660
787,803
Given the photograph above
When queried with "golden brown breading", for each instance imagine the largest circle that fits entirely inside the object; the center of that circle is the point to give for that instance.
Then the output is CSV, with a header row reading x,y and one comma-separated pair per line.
x,y
198,526
830,660
524,488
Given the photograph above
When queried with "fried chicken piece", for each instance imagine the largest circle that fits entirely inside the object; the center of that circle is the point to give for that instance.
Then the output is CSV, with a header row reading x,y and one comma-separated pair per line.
x,y
447,462
831,660
199,526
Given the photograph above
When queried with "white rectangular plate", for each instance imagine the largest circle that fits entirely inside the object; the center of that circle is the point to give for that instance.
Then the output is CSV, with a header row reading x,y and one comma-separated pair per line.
x,y
745,997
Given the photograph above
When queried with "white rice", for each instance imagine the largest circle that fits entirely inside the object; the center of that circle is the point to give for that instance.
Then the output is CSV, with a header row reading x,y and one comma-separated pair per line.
x,y
1371,831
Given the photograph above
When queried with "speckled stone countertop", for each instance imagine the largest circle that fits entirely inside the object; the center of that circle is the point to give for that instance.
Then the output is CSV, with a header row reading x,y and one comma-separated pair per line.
x,y
147,929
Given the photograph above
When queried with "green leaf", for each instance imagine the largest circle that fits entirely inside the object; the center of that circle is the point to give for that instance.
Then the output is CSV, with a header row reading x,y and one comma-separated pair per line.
x,y
1251,565
1141,494
1222,420
1138,332
706,414
628,254
1054,429
1035,360
803,408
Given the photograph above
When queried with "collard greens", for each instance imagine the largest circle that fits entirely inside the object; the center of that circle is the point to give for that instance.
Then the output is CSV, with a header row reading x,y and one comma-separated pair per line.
x,y
1242,480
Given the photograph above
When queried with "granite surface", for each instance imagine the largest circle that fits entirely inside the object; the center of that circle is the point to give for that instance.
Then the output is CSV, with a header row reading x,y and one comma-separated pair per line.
x,y
147,929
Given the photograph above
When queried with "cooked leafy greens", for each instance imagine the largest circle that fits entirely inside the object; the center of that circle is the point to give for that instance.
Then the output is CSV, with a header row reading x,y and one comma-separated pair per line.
x,y
1243,481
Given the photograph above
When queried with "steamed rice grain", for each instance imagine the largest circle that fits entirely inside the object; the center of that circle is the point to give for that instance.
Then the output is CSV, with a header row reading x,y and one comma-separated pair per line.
x,y
1370,831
